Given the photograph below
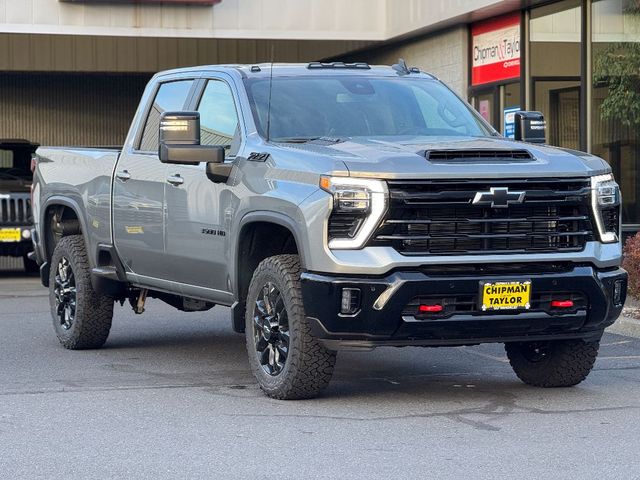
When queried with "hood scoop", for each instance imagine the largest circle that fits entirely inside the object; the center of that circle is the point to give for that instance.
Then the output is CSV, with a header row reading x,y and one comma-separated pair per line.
x,y
478,156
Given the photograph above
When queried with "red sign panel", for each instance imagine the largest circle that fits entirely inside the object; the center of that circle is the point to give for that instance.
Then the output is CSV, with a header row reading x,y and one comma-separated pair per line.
x,y
496,50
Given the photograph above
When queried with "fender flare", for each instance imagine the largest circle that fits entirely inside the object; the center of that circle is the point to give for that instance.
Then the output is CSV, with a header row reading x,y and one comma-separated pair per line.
x,y
269,217
76,208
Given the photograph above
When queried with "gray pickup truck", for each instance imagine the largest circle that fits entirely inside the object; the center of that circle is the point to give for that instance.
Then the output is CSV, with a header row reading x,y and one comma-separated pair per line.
x,y
334,206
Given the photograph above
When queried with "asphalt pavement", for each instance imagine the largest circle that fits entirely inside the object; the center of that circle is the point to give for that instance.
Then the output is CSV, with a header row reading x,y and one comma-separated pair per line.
x,y
171,396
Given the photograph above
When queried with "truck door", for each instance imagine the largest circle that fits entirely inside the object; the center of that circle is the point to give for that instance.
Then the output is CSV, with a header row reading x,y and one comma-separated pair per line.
x,y
139,188
197,244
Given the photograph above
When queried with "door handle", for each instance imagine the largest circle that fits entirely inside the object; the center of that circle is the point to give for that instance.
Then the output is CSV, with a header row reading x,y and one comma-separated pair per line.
x,y
124,175
175,180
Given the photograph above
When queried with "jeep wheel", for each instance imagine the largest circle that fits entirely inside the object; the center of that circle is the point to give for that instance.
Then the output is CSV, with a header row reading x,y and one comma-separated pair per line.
x,y
562,363
288,362
81,317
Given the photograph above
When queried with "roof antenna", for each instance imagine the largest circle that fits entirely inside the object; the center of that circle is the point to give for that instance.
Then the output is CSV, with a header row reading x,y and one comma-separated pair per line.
x,y
270,90
401,67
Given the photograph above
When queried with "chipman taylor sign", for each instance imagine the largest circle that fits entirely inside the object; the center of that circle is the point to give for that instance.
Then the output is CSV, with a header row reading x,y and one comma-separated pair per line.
x,y
496,50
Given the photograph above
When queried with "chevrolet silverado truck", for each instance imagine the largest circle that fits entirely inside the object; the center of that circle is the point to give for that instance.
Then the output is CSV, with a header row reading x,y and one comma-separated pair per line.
x,y
334,206
16,219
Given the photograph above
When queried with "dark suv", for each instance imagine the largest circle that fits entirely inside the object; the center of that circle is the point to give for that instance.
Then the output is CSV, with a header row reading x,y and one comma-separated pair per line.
x,y
16,218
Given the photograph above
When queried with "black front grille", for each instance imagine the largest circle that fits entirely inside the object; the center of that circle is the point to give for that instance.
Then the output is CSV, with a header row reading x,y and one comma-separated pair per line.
x,y
438,217
16,210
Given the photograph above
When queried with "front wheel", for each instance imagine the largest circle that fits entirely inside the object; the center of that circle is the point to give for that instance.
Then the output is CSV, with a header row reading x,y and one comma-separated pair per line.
x,y
81,316
560,363
287,361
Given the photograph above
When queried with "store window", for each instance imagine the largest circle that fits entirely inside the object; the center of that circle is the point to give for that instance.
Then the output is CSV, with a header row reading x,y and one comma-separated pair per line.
x,y
615,117
555,49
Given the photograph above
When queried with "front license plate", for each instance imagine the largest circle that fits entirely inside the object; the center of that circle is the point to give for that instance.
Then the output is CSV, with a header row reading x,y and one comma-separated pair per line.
x,y
506,296
10,234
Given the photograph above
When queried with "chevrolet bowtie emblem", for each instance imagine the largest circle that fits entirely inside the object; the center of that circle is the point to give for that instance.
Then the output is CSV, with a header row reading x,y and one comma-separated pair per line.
x,y
498,197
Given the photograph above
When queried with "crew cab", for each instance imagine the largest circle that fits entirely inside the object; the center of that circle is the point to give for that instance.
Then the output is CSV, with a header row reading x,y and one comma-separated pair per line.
x,y
334,206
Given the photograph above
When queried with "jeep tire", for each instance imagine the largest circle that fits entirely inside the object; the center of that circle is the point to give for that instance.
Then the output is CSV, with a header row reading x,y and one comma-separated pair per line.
x,y
287,361
560,363
81,316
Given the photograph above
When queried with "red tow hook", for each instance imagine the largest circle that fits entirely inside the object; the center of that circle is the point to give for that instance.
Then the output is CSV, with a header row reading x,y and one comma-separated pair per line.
x,y
430,308
562,303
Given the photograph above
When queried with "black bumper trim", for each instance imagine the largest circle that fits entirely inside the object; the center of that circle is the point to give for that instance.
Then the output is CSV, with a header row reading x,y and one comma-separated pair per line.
x,y
377,327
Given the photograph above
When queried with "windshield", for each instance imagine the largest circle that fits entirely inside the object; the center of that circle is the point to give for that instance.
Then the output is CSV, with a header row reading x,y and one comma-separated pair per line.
x,y
15,164
304,108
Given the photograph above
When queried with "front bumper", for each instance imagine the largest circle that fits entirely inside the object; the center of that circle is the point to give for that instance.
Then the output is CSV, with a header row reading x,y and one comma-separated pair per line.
x,y
19,248
386,323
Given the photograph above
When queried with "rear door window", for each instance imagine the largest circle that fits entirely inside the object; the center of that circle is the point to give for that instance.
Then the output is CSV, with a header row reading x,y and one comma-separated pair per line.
x,y
171,96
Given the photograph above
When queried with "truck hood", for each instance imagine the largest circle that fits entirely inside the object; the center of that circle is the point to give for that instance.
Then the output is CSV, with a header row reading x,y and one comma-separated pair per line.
x,y
406,158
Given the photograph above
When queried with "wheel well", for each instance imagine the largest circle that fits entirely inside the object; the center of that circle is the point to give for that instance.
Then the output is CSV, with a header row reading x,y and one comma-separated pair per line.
x,y
59,221
260,240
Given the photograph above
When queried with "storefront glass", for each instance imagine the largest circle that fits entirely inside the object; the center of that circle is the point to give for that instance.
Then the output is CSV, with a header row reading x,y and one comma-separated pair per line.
x,y
555,34
615,115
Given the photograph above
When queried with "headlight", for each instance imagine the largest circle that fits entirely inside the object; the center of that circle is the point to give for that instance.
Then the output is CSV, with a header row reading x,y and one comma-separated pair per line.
x,y
605,201
358,206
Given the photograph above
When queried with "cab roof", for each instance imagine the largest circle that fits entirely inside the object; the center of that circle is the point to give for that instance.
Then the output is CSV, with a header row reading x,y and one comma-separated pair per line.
x,y
312,68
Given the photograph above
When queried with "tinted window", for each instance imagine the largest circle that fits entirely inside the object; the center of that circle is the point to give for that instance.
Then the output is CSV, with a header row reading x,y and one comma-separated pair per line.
x,y
170,97
310,107
218,116
15,163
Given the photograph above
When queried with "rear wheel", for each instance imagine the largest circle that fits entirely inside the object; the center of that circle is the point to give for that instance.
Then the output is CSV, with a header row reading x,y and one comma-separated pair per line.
x,y
561,363
287,361
81,317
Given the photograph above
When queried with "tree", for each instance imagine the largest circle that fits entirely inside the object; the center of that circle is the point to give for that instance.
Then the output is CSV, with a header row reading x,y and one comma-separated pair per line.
x,y
617,66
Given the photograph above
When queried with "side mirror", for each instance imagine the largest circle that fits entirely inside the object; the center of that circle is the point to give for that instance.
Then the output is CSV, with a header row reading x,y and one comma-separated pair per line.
x,y
530,127
179,140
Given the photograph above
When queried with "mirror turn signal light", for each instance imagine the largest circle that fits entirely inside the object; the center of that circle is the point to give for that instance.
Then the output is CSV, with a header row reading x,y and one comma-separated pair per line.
x,y
430,308
562,303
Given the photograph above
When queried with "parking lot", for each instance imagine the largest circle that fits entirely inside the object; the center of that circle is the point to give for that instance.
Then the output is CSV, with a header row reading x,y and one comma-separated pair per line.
x,y
171,395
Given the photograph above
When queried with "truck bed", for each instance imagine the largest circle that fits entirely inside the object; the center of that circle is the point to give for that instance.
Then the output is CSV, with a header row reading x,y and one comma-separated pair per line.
x,y
82,176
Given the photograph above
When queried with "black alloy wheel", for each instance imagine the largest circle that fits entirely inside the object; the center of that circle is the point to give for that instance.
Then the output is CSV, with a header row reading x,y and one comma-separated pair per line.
x,y
271,330
65,294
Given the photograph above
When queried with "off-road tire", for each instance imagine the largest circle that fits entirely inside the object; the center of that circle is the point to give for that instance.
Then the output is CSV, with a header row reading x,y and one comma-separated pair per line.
x,y
566,362
309,365
93,312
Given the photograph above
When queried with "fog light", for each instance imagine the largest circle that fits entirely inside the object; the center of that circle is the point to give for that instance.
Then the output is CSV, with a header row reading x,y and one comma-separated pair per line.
x,y
350,302
617,292
26,234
